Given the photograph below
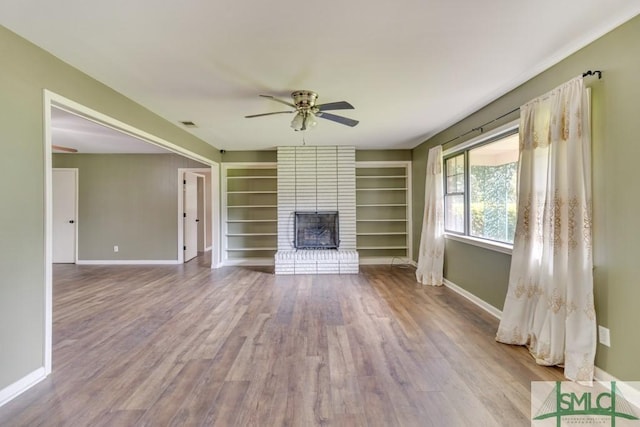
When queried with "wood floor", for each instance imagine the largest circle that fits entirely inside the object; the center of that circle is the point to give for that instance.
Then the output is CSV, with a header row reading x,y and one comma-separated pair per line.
x,y
190,346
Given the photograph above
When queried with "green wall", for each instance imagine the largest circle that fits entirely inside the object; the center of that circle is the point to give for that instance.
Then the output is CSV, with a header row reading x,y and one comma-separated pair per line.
x,y
250,156
616,150
25,72
382,155
272,156
489,283
129,200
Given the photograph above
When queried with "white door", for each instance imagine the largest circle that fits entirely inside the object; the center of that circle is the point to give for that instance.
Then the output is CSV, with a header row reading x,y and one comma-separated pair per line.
x,y
202,219
190,215
64,199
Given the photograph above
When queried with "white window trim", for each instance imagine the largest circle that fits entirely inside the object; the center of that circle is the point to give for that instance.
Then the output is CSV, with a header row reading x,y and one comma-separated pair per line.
x,y
505,248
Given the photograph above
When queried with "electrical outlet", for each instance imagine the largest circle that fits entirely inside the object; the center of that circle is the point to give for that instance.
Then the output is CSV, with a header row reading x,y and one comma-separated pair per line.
x,y
604,336
115,248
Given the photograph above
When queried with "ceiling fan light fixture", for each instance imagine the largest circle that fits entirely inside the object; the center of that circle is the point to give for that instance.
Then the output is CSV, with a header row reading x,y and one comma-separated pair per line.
x,y
297,122
310,121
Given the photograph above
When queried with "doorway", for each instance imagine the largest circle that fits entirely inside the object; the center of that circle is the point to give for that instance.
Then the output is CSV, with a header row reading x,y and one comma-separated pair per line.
x,y
195,215
53,102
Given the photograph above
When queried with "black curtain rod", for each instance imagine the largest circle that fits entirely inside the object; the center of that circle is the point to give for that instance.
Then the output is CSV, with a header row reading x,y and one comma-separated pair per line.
x,y
481,127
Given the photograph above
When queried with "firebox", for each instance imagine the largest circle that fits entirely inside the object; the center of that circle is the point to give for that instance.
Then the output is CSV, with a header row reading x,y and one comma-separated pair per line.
x,y
316,230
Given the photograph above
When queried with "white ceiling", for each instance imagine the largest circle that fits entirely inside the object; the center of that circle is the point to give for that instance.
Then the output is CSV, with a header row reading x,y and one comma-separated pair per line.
x,y
410,67
86,136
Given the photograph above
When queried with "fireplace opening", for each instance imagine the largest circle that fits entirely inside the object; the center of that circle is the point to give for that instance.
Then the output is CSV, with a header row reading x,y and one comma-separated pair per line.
x,y
316,230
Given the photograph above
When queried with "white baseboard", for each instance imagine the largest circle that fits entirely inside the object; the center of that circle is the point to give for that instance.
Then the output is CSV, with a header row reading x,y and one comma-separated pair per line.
x,y
474,299
248,262
629,392
387,261
23,384
127,262
363,261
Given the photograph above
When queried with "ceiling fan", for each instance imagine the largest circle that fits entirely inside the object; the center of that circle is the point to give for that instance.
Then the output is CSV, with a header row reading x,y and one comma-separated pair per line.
x,y
306,109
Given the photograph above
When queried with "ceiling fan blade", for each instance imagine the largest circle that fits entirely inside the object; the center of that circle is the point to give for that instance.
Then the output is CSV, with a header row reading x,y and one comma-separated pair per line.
x,y
339,119
278,100
340,105
269,114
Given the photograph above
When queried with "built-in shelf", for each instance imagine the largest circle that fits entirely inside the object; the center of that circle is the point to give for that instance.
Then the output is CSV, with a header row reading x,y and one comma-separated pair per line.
x,y
382,189
383,220
253,177
377,205
250,216
388,233
250,249
379,176
252,206
230,221
383,209
380,247
250,234
252,192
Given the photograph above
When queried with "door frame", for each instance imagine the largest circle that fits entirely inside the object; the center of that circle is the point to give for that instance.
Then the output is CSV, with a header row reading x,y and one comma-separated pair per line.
x,y
202,203
52,99
181,210
76,201
214,220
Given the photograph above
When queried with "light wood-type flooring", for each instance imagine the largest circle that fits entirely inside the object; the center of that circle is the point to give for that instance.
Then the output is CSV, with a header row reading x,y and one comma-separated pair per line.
x,y
190,346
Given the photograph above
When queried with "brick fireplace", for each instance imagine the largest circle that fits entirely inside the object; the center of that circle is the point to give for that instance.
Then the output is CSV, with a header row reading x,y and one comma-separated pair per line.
x,y
316,179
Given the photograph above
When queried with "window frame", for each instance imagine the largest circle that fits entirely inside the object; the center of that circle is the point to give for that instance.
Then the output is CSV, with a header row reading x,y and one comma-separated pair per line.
x,y
464,193
464,148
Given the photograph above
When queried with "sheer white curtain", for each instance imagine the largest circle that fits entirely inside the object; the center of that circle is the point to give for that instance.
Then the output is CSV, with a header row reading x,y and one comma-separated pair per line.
x,y
549,305
431,255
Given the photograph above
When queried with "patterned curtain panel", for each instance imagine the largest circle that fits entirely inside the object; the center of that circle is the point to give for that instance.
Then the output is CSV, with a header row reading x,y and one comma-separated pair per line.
x,y
549,304
431,255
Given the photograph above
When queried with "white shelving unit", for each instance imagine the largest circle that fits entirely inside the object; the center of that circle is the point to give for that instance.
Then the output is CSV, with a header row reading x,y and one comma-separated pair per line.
x,y
383,211
250,217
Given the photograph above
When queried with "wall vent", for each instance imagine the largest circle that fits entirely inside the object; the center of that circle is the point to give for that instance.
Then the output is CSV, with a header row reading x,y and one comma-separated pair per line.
x,y
189,124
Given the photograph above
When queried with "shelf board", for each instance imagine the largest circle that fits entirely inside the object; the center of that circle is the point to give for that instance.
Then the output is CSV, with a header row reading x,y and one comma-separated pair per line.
x,y
379,176
253,177
382,220
379,247
381,205
250,234
391,233
250,249
252,192
382,189
252,220
252,206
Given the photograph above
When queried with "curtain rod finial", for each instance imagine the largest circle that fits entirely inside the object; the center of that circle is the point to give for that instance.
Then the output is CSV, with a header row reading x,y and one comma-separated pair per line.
x,y
593,73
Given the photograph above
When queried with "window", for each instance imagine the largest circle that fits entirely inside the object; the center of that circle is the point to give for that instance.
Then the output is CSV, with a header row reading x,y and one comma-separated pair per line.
x,y
481,189
454,194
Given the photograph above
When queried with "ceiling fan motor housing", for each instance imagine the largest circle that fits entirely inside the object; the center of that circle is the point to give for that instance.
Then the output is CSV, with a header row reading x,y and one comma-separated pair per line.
x,y
304,99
